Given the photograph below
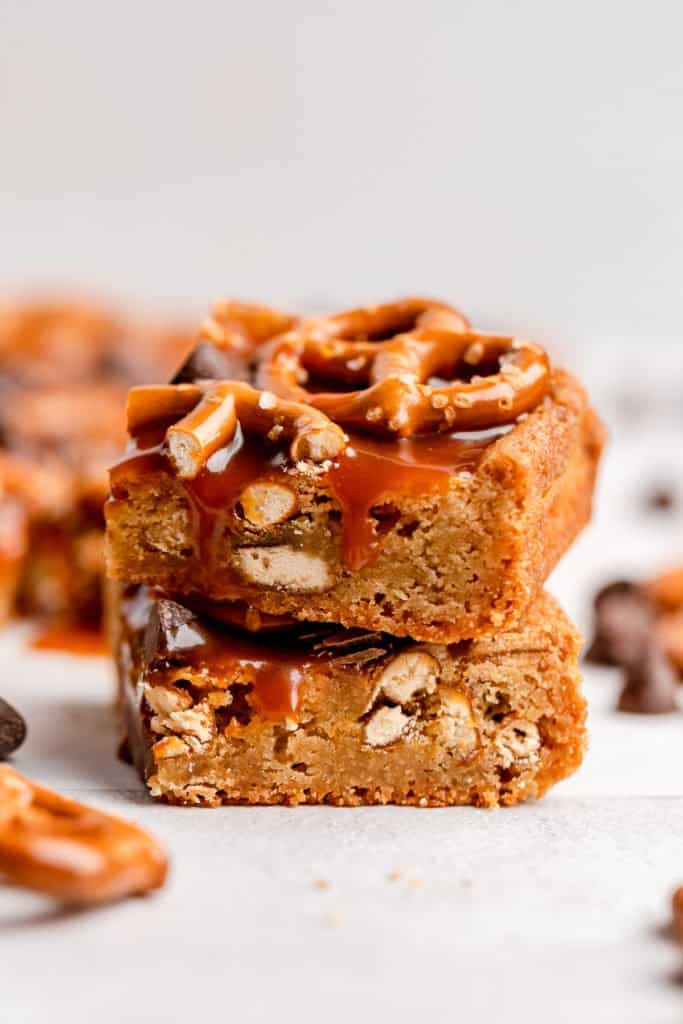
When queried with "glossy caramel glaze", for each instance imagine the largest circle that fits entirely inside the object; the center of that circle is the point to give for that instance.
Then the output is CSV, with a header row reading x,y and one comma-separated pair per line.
x,y
272,666
275,671
368,473
371,470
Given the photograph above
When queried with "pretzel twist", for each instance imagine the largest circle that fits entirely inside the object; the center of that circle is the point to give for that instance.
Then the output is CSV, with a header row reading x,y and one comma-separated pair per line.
x,y
69,851
382,361
387,355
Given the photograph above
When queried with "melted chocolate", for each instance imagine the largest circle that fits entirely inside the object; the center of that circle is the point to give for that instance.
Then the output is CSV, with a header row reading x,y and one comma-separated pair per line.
x,y
172,629
209,362
273,668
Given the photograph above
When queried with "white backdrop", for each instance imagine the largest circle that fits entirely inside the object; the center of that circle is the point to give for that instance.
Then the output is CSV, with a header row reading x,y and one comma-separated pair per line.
x,y
522,158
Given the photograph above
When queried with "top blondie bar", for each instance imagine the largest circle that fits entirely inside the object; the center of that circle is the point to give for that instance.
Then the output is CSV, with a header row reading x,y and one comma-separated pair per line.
x,y
386,468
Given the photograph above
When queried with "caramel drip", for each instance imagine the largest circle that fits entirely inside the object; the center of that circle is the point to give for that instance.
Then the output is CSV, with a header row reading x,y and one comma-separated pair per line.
x,y
275,671
369,471
231,469
213,493
366,475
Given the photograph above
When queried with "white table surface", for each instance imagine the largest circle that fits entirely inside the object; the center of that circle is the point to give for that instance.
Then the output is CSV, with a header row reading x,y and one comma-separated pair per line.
x,y
551,911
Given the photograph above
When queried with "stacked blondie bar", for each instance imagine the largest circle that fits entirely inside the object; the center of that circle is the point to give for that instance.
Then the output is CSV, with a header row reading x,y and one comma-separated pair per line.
x,y
329,538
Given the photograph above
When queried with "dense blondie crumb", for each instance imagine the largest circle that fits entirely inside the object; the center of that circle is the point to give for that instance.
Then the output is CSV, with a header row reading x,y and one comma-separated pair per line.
x,y
446,563
323,715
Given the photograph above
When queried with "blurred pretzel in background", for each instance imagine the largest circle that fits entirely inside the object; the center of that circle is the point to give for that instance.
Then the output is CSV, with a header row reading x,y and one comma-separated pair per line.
x,y
74,853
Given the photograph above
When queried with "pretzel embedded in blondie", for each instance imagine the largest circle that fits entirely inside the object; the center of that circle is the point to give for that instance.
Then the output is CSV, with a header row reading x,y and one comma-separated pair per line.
x,y
75,853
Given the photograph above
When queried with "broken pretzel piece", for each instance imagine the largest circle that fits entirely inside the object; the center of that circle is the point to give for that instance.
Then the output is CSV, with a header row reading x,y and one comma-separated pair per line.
x,y
211,412
212,423
74,853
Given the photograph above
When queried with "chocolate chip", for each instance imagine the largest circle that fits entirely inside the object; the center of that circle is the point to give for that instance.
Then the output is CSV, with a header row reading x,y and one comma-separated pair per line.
x,y
358,658
171,629
650,683
209,362
661,499
12,729
353,646
624,621
123,751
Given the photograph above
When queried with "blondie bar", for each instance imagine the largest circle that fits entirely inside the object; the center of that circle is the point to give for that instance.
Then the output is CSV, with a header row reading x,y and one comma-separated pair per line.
x,y
428,492
298,713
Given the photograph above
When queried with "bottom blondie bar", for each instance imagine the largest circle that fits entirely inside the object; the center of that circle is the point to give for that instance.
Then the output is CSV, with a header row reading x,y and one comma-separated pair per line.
x,y
222,705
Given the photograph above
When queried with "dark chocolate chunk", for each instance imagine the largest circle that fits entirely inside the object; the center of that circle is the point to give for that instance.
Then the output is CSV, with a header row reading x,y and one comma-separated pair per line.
x,y
650,683
661,499
354,647
348,638
12,729
172,629
358,658
123,751
209,362
624,622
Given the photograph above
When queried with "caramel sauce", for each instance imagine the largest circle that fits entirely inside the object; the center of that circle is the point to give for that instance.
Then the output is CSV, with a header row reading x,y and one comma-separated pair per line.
x,y
363,477
275,671
71,639
274,666
370,470
214,492
231,469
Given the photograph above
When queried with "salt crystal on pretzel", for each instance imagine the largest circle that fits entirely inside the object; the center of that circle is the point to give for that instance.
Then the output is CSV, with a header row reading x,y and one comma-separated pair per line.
x,y
213,410
390,354
395,350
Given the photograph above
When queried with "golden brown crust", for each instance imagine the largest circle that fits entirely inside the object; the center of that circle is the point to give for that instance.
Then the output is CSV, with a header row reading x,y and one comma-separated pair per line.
x,y
448,564
487,723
